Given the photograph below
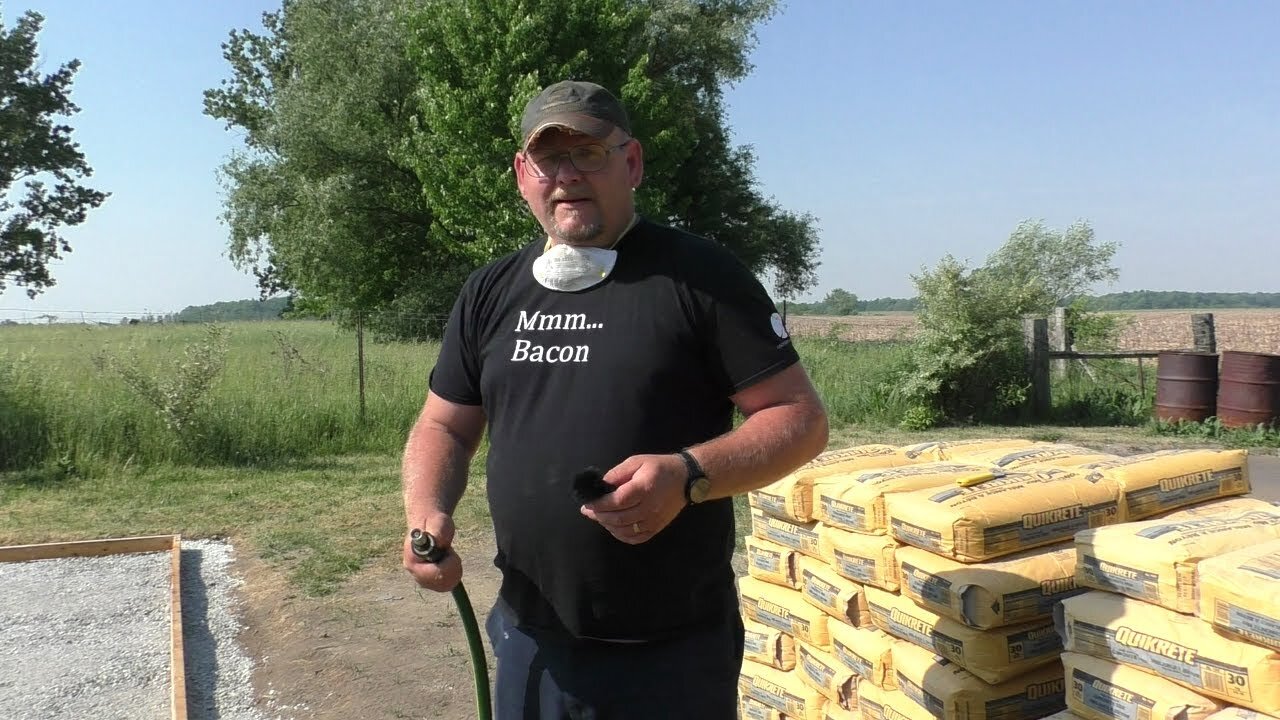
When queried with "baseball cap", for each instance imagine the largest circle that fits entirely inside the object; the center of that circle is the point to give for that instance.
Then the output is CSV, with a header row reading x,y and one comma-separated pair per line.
x,y
577,105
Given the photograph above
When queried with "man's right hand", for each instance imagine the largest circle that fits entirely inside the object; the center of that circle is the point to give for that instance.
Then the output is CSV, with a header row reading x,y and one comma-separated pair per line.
x,y
442,576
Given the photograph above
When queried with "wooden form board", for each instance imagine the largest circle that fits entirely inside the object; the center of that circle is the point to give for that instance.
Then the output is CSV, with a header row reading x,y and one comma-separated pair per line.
x,y
116,546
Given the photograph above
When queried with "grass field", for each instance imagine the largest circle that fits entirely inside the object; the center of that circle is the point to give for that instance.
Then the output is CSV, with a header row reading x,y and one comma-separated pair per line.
x,y
104,433
119,396
1247,330
285,390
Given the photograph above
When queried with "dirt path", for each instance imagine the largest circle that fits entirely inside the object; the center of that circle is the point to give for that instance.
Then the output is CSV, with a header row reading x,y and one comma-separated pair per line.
x,y
380,648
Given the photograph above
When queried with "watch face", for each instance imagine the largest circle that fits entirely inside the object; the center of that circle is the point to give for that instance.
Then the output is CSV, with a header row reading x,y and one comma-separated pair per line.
x,y
698,491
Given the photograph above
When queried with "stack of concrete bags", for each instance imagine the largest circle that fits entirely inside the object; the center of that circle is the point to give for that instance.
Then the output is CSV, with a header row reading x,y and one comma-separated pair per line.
x,y
1179,621
819,541
983,556
792,600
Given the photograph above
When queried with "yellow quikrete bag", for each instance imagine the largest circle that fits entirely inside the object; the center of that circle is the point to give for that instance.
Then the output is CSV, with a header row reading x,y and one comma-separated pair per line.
x,y
1063,715
1052,455
782,691
865,559
842,599
835,712
895,705
1013,589
768,645
870,700
1225,507
771,562
1240,593
856,503
821,671
866,651
1157,482
783,609
1181,648
791,497
994,655
753,709
1100,689
1002,516
1155,560
1239,713
948,450
950,692
801,537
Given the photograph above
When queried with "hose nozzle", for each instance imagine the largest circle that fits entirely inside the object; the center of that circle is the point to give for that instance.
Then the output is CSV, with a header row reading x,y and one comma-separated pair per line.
x,y
425,547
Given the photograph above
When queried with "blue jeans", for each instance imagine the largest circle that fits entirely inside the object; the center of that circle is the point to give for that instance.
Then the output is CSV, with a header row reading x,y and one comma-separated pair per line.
x,y
694,677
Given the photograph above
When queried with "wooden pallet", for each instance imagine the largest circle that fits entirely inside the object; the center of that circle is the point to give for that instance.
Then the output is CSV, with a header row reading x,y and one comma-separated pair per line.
x,y
115,546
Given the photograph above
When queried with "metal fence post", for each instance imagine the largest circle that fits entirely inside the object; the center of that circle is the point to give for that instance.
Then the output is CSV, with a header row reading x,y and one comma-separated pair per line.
x,y
360,358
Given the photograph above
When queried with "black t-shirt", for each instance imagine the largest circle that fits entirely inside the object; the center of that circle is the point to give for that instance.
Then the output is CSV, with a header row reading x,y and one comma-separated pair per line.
x,y
643,362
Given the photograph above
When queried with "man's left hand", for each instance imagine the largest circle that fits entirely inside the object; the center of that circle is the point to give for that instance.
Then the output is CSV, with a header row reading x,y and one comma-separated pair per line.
x,y
649,495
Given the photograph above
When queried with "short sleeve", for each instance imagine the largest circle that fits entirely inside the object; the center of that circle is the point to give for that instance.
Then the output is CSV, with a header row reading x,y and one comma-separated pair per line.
x,y
456,374
748,340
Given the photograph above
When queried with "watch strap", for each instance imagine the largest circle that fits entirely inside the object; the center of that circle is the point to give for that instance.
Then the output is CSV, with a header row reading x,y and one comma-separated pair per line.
x,y
695,472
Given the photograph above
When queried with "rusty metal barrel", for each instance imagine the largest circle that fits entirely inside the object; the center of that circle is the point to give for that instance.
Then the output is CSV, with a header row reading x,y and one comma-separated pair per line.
x,y
1249,389
1186,386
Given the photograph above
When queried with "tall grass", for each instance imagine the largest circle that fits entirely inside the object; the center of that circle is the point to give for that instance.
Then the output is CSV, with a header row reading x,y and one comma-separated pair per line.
x,y
89,399
1103,392
94,398
855,379
284,390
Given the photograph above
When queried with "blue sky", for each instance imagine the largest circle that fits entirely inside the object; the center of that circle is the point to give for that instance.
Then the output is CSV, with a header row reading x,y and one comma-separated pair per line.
x,y
910,130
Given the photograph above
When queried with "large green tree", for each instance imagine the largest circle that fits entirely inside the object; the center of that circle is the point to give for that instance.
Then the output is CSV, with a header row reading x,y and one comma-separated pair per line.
x,y
40,167
320,202
380,135
1051,267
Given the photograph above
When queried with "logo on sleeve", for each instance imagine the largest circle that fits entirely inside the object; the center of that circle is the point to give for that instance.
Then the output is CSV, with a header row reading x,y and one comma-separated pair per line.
x,y
778,328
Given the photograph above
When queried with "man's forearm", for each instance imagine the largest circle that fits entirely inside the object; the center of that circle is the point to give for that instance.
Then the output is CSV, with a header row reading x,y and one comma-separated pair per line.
x,y
434,472
765,447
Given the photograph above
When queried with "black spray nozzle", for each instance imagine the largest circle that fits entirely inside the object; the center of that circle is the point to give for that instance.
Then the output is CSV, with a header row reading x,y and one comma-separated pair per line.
x,y
425,547
589,485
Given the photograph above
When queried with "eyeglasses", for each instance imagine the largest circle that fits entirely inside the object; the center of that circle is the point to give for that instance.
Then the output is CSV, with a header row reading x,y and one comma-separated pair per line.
x,y
585,158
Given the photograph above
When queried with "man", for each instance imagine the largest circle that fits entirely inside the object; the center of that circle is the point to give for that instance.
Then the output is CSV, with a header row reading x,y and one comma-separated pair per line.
x,y
619,344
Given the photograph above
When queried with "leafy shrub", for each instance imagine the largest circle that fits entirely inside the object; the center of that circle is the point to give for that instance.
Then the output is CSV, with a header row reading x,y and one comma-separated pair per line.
x,y
1093,331
177,394
968,363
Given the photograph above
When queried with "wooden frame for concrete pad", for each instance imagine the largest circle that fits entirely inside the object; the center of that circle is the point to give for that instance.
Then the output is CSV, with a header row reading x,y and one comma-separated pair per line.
x,y
115,546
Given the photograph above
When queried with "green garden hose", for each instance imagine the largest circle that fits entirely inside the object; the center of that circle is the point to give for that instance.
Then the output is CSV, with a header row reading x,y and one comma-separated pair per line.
x,y
424,546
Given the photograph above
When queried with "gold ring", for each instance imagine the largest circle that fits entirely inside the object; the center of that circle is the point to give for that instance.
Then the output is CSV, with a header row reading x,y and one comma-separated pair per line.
x,y
635,528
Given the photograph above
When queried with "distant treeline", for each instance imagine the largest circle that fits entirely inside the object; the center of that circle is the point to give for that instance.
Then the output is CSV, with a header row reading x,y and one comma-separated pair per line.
x,y
838,302
1176,300
232,310
1133,300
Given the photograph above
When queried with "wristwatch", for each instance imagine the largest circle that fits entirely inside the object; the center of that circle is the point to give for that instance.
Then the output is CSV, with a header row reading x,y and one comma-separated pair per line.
x,y
697,485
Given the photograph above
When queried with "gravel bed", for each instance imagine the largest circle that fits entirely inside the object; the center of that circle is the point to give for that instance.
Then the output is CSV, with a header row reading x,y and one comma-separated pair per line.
x,y
89,637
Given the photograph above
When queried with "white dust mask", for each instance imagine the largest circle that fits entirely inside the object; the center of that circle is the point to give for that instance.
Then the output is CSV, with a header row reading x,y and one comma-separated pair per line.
x,y
566,268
